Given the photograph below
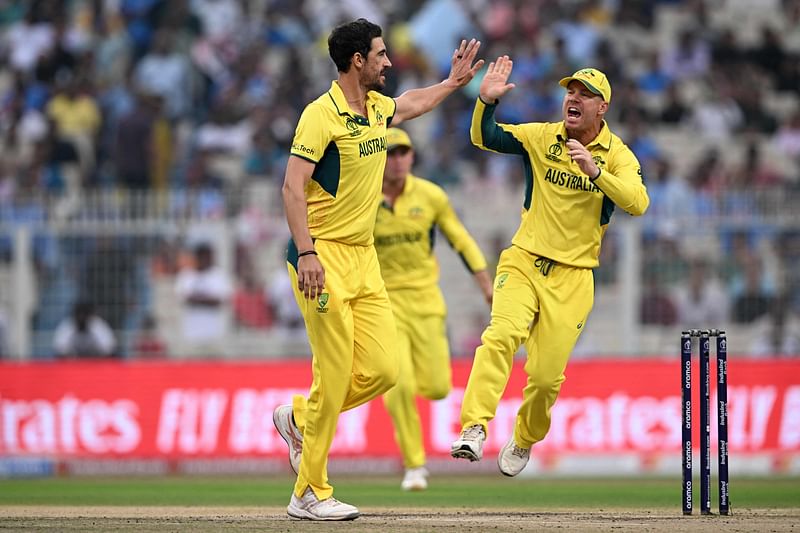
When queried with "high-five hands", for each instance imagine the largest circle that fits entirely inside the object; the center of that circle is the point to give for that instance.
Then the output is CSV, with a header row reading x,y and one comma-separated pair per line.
x,y
495,81
583,157
461,68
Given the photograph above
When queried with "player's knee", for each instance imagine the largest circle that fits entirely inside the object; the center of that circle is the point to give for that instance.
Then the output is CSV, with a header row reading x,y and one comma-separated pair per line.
x,y
403,388
435,391
387,378
548,383
501,338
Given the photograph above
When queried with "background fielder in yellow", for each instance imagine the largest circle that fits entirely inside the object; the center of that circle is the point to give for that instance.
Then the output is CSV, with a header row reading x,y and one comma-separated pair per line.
x,y
405,231
331,193
577,171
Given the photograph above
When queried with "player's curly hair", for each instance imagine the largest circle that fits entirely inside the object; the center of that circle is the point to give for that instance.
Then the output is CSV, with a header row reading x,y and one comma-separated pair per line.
x,y
351,37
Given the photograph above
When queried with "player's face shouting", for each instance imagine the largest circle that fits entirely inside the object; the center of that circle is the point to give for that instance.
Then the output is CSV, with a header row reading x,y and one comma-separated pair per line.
x,y
373,77
581,107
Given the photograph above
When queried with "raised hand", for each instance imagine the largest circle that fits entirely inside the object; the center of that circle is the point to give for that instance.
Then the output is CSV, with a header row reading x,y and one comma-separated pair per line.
x,y
581,155
495,81
461,68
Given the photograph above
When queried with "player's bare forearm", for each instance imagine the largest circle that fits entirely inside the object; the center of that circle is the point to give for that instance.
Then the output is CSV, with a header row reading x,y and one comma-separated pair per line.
x,y
416,102
298,172
484,282
310,272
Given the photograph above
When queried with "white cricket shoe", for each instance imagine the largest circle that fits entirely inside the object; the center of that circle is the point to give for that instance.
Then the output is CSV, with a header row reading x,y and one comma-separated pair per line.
x,y
415,479
282,418
512,459
470,444
310,508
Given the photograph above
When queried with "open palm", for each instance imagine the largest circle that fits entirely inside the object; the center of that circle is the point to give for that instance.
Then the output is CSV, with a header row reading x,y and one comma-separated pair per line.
x,y
495,81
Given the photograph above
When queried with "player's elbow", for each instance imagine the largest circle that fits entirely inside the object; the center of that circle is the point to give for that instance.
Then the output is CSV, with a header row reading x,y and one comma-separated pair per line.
x,y
639,208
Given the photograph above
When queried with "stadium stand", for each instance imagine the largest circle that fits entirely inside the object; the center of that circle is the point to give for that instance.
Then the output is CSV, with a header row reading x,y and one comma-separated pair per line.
x,y
130,130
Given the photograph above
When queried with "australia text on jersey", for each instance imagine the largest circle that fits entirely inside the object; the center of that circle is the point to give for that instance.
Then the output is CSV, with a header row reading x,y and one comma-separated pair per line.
x,y
371,146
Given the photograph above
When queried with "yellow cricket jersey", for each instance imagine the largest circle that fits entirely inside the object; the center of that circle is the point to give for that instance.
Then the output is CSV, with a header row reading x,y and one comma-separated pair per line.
x,y
349,152
405,235
565,214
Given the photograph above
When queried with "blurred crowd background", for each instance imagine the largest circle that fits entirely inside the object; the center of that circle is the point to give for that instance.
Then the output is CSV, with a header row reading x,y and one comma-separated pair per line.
x,y
143,145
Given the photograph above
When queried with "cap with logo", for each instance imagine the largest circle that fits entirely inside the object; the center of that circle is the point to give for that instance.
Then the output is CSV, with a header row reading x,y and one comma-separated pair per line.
x,y
396,137
593,79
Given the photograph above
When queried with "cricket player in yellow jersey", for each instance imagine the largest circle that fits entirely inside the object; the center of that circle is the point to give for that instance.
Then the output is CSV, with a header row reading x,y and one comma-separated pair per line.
x,y
331,193
405,229
577,171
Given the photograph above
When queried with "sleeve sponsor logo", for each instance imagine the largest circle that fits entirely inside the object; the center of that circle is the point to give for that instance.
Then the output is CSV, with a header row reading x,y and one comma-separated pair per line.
x,y
302,148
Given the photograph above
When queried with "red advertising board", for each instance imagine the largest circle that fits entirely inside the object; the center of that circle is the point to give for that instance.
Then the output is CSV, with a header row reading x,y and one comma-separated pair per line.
x,y
224,409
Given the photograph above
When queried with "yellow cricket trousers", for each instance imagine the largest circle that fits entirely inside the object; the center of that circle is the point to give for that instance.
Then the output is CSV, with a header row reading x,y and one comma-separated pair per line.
x,y
424,356
544,305
351,331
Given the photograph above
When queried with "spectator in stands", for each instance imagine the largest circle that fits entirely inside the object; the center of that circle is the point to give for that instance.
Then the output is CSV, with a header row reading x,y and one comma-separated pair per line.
x,y
688,57
630,107
753,292
224,132
701,300
718,116
756,118
84,334
148,343
789,75
76,116
769,54
787,247
727,54
670,196
787,140
674,110
288,323
653,80
776,333
204,291
662,255
707,178
202,194
31,38
107,277
656,306
168,74
134,147
113,51
643,146
250,306
755,172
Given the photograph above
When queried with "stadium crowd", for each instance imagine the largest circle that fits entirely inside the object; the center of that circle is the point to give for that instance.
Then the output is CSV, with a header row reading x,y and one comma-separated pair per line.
x,y
177,110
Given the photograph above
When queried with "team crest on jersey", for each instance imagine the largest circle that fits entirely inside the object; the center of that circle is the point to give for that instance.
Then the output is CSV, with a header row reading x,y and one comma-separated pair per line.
x,y
598,160
322,301
378,117
352,127
501,280
415,212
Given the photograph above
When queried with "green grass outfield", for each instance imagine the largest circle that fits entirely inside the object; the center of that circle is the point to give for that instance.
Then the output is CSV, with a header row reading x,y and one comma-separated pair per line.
x,y
494,492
